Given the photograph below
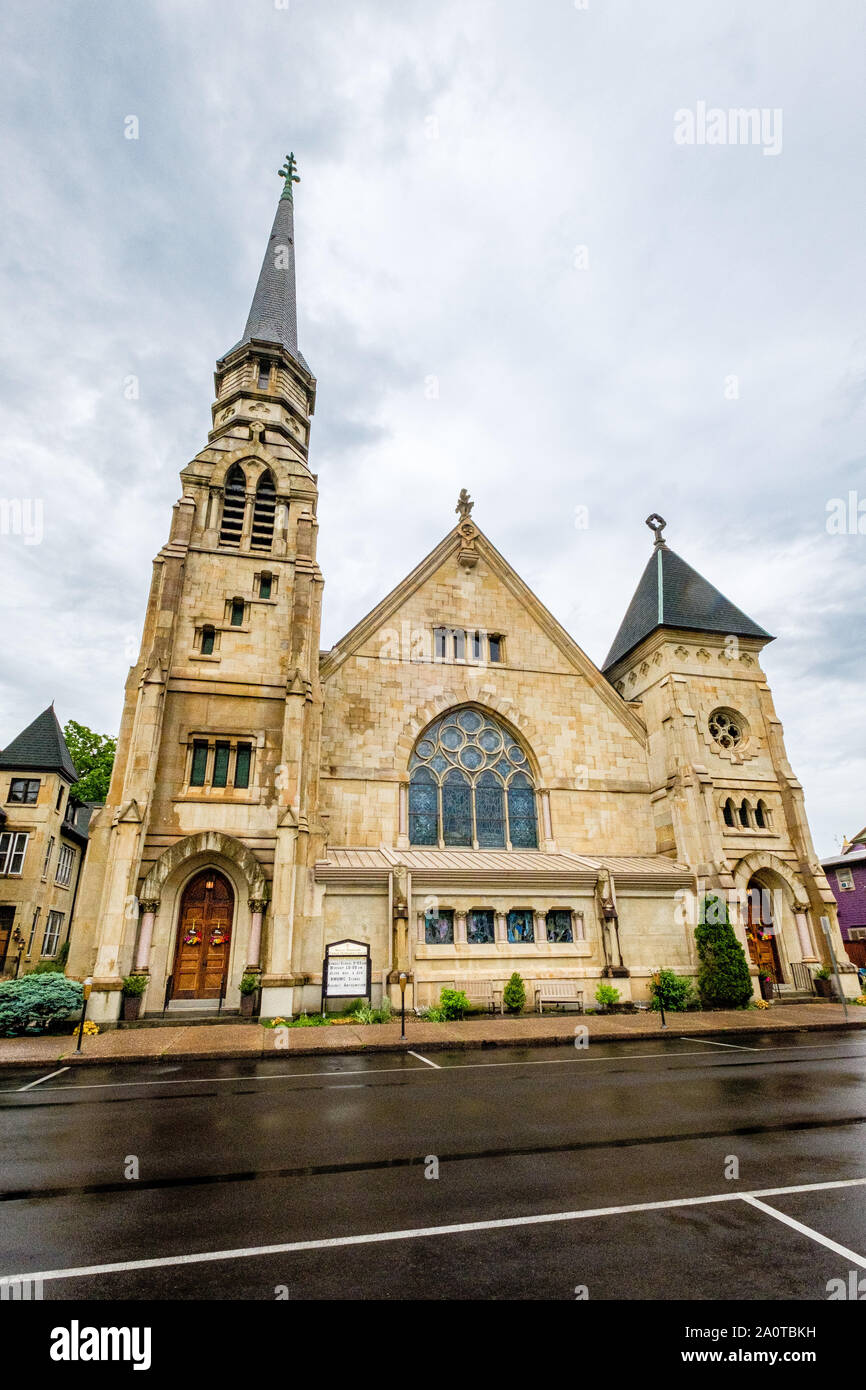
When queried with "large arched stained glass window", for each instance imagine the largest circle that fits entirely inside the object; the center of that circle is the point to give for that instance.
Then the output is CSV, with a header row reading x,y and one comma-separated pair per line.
x,y
470,785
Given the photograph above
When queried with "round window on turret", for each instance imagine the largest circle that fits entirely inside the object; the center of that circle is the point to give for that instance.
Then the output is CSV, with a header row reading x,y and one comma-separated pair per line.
x,y
728,728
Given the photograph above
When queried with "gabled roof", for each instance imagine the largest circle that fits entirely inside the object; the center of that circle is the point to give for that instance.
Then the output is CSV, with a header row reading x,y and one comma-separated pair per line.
x,y
40,747
671,594
467,534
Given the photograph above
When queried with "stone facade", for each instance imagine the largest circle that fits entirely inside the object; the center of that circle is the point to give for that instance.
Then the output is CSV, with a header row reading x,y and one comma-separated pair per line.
x,y
630,789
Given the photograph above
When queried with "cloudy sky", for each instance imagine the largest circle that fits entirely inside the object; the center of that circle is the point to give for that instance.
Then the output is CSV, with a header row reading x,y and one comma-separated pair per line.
x,y
511,277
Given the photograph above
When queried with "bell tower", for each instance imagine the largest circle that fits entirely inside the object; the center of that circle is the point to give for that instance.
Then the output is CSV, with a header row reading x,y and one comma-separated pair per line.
x,y
222,708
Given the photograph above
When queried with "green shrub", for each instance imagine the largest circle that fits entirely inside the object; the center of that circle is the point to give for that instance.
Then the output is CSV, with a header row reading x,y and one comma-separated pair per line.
x,y
674,991
365,1014
823,974
351,1007
249,984
453,1004
724,981
34,1002
308,1021
514,994
432,1015
47,967
134,986
607,995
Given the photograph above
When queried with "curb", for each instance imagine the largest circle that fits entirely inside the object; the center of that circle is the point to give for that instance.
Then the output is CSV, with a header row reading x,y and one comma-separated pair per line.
x,y
349,1049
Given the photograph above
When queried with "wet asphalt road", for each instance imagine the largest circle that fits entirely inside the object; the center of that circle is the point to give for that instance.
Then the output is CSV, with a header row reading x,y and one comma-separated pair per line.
x,y
235,1156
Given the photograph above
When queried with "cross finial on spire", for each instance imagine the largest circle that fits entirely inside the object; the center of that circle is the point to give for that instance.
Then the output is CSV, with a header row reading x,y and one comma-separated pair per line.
x,y
288,173
464,505
657,524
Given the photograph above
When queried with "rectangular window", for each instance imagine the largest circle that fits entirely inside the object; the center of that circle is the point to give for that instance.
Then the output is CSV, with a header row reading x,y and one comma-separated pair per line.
x,y
238,606
59,798
24,789
480,926
559,925
459,644
13,847
33,929
476,646
845,880
208,637
199,763
439,927
440,644
495,648
221,765
242,764
65,860
264,375
48,853
520,925
53,925
265,586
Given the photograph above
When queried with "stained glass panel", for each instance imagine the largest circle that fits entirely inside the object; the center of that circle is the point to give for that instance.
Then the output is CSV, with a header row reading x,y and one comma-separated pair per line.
x,y
423,808
490,812
559,925
480,927
456,809
520,925
521,817
439,927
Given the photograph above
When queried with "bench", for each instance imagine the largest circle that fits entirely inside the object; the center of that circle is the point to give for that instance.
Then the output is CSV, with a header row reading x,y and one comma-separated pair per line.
x,y
558,992
481,991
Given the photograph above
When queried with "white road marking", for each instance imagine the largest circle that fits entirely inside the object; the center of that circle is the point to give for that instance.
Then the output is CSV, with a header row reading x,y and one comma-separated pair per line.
x,y
419,1233
807,1231
581,1060
425,1059
711,1042
44,1078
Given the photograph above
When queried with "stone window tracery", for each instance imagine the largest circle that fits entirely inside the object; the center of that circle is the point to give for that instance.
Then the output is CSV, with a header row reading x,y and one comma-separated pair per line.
x,y
471,785
727,728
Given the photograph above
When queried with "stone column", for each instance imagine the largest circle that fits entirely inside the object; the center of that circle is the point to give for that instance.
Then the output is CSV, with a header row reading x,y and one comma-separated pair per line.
x,y
254,950
501,927
540,927
460,927
148,911
804,933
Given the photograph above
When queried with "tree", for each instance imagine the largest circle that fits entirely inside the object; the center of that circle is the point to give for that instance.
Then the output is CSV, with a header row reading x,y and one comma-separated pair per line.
x,y
93,756
724,981
514,994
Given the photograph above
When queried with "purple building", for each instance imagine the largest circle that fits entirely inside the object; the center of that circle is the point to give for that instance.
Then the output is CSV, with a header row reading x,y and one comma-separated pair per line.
x,y
846,875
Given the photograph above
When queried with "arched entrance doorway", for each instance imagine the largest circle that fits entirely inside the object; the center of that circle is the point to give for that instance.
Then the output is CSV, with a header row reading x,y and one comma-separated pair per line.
x,y
762,931
203,937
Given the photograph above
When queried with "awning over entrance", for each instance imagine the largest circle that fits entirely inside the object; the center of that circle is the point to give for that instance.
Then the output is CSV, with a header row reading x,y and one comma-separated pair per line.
x,y
475,866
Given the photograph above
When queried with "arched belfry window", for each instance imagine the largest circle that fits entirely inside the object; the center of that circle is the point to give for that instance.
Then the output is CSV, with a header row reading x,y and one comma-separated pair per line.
x,y
234,503
470,784
263,514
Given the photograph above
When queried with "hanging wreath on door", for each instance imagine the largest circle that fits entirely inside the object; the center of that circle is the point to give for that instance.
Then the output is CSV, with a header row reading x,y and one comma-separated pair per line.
x,y
219,936
193,935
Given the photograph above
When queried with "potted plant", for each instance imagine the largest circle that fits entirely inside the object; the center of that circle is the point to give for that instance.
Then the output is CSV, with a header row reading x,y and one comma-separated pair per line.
x,y
249,989
823,982
133,993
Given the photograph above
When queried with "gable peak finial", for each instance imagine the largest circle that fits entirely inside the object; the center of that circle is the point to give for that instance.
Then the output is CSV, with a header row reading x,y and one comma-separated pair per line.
x,y
464,505
657,524
289,173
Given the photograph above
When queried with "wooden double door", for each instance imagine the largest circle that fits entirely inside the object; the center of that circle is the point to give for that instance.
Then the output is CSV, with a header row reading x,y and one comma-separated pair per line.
x,y
204,937
761,934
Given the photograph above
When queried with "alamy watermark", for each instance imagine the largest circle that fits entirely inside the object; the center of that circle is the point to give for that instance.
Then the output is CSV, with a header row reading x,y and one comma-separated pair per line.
x,y
23,516
735,126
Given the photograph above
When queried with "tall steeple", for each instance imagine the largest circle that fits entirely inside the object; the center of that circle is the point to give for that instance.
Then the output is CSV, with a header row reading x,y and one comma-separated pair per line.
x,y
273,316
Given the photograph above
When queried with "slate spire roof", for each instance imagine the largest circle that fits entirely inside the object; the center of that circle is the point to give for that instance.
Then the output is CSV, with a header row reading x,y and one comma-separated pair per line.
x,y
671,594
273,316
40,747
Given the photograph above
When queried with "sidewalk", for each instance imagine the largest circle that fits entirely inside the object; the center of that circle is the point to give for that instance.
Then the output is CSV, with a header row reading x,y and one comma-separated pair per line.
x,y
233,1040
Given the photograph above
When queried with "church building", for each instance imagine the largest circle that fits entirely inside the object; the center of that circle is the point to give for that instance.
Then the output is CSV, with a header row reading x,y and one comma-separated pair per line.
x,y
454,783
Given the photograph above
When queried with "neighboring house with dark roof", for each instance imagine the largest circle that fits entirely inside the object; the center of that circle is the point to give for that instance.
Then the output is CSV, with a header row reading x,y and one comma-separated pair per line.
x,y
43,841
846,874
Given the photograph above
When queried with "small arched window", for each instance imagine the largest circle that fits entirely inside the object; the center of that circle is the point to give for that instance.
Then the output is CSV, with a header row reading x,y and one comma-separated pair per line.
x,y
238,610
234,503
762,816
744,813
730,812
264,512
208,637
265,585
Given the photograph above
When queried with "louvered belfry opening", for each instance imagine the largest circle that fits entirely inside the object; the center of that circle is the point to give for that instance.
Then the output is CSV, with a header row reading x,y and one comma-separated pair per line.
x,y
263,514
233,506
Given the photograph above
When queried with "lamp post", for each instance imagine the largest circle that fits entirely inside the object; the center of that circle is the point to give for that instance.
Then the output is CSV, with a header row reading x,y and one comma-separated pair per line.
x,y
403,979
88,985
